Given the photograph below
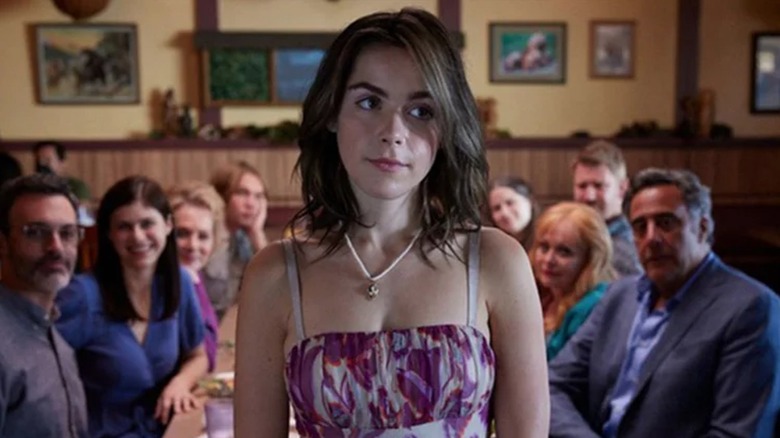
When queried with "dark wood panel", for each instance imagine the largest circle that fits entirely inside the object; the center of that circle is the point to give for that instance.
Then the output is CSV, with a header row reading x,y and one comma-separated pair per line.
x,y
739,171
744,176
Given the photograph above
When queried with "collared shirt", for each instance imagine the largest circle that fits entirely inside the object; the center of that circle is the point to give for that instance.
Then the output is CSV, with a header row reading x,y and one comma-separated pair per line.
x,y
41,394
241,247
624,257
647,328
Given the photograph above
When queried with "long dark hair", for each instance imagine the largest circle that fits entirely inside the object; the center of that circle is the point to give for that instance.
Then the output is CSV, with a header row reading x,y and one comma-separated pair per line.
x,y
108,268
455,188
522,188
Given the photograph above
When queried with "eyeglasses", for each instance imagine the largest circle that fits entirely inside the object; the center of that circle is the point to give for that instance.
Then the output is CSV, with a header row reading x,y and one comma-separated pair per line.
x,y
68,234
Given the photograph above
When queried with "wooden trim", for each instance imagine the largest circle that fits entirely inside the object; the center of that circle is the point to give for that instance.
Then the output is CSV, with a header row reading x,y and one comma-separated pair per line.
x,y
550,143
206,15
687,65
146,144
659,143
264,40
207,18
449,12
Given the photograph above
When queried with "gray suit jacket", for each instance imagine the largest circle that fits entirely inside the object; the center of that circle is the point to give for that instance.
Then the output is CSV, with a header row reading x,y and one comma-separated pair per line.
x,y
625,260
715,372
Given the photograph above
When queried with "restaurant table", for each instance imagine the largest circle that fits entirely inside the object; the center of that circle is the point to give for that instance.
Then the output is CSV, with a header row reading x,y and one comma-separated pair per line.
x,y
192,424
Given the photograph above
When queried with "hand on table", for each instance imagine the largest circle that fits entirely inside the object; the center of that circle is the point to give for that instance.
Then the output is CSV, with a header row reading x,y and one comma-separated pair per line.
x,y
176,398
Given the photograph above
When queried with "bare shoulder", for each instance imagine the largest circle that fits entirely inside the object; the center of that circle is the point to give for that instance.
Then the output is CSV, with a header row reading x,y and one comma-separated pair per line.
x,y
264,287
267,267
504,268
500,251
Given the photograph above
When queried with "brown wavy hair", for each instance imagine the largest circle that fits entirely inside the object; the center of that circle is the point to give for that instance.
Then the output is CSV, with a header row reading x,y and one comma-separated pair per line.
x,y
593,232
455,188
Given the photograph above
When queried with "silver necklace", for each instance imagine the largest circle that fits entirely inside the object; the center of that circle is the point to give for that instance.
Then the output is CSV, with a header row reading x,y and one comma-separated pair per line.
x,y
373,290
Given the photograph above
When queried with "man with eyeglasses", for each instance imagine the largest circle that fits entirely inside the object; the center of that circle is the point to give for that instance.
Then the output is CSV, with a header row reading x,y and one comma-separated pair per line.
x,y
41,394
689,349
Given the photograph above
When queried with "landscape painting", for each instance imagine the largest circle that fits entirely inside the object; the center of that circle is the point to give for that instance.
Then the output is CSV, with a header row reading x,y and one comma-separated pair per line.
x,y
80,63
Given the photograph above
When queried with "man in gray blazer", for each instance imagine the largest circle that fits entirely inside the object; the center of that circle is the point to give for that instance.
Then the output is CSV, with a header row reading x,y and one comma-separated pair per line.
x,y
689,349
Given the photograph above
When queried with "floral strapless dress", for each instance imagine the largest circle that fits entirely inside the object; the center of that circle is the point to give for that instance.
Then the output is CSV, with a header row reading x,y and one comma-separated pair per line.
x,y
431,381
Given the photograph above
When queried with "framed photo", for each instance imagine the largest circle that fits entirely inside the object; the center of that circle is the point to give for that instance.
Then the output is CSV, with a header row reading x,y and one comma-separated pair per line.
x,y
86,63
612,49
765,78
528,52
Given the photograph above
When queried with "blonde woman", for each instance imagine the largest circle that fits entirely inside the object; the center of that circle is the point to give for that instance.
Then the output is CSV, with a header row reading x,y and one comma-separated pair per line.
x,y
571,258
198,226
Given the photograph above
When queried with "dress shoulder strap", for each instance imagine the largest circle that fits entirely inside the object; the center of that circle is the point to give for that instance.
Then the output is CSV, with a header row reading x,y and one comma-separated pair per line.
x,y
473,276
295,285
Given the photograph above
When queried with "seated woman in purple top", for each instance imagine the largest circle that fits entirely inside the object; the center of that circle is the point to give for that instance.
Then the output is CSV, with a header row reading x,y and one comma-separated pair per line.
x,y
198,226
134,322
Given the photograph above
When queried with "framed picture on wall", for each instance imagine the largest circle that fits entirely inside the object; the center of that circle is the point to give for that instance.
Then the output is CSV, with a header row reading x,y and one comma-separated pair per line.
x,y
294,72
86,63
528,52
765,78
612,49
237,76
247,76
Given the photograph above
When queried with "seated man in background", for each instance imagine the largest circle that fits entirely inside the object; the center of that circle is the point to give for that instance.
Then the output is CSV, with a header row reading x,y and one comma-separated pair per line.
x,y
246,208
50,157
690,349
9,167
41,394
600,181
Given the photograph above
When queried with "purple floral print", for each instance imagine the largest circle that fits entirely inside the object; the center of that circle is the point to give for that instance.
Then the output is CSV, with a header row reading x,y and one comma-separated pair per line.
x,y
425,381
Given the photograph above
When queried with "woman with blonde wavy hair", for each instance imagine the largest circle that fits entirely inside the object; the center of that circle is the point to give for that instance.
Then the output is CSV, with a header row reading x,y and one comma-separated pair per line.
x,y
199,228
571,258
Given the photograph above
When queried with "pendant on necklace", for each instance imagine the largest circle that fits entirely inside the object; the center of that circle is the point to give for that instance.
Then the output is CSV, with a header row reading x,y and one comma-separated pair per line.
x,y
372,291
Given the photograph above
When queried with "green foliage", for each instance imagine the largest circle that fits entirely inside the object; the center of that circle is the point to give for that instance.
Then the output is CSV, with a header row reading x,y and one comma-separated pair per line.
x,y
285,132
503,133
238,75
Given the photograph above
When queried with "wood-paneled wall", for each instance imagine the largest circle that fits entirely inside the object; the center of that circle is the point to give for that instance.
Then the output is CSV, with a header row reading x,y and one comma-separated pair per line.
x,y
744,176
738,171
100,168
735,175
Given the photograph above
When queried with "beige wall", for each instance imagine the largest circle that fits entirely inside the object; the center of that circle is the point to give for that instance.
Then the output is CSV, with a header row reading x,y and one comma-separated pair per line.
x,y
600,106
597,105
163,63
294,16
724,58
